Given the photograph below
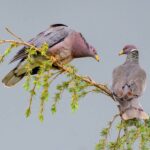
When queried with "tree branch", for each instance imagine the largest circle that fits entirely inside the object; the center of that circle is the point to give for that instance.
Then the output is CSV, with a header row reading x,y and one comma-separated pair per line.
x,y
14,35
102,87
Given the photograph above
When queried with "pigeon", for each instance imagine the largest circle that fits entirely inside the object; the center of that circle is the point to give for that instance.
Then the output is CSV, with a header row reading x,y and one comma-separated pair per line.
x,y
129,82
64,44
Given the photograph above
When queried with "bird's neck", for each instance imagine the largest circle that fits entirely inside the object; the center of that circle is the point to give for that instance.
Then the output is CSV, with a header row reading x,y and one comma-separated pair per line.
x,y
133,56
81,48
78,53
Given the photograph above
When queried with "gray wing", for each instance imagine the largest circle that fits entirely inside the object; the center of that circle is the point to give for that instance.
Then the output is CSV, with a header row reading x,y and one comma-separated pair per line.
x,y
137,80
118,77
52,36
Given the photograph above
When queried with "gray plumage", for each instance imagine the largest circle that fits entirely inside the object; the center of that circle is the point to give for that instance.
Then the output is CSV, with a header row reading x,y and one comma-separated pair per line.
x,y
64,44
129,81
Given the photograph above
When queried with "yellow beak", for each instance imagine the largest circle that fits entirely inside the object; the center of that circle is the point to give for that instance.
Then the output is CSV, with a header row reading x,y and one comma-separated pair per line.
x,y
97,57
121,52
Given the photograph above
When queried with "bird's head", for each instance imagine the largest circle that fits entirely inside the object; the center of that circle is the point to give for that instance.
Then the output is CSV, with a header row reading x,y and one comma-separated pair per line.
x,y
93,53
127,49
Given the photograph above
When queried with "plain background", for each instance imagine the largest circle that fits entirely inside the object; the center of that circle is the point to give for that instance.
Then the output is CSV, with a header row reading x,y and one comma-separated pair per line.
x,y
106,24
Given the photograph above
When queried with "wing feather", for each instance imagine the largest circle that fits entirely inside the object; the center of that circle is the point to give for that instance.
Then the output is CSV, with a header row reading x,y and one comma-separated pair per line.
x,y
52,36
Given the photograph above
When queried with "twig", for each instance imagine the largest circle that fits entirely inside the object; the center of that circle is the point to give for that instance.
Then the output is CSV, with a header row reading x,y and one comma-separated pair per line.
x,y
14,35
109,127
119,133
56,75
31,96
126,133
103,88
19,43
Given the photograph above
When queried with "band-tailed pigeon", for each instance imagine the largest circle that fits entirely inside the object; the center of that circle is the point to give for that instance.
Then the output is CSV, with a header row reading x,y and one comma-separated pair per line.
x,y
128,85
64,44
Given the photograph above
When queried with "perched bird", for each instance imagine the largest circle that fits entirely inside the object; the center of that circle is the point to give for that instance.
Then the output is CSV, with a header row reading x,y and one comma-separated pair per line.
x,y
128,85
64,44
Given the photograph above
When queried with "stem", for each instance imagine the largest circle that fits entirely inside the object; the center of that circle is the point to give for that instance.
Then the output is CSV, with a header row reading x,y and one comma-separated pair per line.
x,y
14,35
19,43
56,75
103,88
31,96
119,133
109,127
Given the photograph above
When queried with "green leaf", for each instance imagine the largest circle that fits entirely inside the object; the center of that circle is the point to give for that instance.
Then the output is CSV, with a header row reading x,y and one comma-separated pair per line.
x,y
7,51
44,49
1,58
45,94
101,145
28,112
59,87
26,85
104,132
74,106
53,109
41,117
32,92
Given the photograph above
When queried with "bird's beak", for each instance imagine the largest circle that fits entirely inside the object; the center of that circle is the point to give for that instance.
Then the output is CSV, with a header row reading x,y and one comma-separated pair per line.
x,y
97,57
121,52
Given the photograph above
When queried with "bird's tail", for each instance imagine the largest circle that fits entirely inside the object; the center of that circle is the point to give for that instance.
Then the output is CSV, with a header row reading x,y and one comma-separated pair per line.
x,y
15,75
132,109
12,78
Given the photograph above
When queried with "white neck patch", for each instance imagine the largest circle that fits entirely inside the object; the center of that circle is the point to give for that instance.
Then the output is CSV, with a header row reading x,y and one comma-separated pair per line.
x,y
134,50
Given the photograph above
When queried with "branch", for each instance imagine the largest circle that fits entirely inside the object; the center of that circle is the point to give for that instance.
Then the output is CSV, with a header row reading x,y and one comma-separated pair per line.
x,y
19,43
14,35
102,87
109,127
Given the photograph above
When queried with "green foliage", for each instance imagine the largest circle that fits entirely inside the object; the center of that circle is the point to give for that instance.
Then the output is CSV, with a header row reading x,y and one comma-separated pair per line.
x,y
28,112
26,84
7,51
60,89
129,132
44,49
41,117
45,76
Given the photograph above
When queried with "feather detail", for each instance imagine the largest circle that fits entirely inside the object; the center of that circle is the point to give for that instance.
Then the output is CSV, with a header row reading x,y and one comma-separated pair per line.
x,y
12,78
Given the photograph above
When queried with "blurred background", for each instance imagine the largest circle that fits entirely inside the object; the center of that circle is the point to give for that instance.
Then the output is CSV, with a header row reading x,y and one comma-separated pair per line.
x,y
108,25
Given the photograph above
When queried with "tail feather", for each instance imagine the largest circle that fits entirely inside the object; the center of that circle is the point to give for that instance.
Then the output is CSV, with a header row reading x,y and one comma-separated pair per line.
x,y
12,78
132,109
15,75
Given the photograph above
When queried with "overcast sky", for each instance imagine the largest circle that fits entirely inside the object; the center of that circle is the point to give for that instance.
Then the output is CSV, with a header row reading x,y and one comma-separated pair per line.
x,y
107,25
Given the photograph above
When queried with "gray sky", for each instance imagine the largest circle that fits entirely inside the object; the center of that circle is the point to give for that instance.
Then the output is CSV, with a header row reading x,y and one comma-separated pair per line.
x,y
108,25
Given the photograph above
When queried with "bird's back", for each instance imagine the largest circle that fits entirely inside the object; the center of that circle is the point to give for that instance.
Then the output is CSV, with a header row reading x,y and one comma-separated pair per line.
x,y
129,74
